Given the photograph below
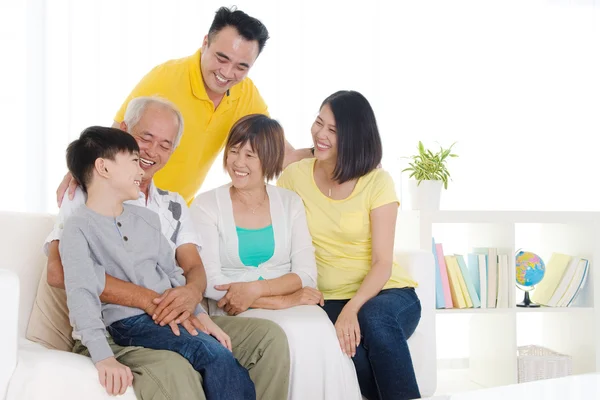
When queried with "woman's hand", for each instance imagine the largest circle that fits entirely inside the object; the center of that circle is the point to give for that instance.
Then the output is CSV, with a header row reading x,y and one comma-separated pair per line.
x,y
239,297
306,296
348,330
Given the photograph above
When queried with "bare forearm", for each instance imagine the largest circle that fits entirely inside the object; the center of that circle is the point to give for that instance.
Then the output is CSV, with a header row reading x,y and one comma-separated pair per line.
x,y
196,278
272,303
126,294
292,155
372,284
286,284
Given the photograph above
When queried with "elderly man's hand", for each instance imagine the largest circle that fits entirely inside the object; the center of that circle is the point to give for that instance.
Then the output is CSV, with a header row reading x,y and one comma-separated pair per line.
x,y
179,302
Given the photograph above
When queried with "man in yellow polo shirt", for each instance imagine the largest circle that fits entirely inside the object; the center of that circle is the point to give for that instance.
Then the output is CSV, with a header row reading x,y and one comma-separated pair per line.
x,y
212,91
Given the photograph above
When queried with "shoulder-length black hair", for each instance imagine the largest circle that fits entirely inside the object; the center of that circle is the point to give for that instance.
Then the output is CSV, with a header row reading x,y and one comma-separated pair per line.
x,y
359,148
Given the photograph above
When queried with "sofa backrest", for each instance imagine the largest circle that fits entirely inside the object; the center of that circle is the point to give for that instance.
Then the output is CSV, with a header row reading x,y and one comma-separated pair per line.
x,y
21,241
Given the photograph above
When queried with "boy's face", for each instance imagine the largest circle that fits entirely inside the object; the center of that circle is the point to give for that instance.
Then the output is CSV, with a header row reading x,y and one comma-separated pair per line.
x,y
125,175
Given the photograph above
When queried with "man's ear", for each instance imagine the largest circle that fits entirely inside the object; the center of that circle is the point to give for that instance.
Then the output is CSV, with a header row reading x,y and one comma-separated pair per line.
x,y
123,126
100,167
205,43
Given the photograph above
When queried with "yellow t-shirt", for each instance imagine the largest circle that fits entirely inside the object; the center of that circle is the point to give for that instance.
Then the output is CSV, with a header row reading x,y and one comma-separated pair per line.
x,y
341,229
205,129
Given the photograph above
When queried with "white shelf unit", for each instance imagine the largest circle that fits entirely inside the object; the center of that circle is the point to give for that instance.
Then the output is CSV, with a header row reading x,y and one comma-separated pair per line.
x,y
494,334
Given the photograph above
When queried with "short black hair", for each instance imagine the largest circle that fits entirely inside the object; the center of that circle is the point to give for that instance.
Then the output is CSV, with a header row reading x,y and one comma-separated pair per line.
x,y
93,143
359,148
248,27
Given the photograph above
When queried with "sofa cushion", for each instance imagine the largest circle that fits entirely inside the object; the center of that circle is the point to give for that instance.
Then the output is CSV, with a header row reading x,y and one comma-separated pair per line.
x,y
43,374
49,321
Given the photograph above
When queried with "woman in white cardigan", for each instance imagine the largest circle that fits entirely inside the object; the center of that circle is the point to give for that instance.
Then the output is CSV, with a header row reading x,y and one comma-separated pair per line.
x,y
259,260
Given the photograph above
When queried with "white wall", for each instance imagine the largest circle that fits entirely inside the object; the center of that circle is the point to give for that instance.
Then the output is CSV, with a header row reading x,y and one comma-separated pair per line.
x,y
515,82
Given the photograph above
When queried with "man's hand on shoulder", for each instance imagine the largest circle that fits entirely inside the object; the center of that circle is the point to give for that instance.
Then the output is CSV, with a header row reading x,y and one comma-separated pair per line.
x,y
68,183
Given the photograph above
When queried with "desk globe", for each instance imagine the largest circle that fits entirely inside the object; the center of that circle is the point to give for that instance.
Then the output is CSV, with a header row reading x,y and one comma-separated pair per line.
x,y
530,269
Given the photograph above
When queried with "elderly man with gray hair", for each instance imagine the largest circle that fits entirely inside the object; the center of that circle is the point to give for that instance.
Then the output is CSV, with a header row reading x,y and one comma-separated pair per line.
x,y
259,345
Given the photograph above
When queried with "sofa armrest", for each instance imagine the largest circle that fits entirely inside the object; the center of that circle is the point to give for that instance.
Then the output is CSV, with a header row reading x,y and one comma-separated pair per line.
x,y
421,267
9,299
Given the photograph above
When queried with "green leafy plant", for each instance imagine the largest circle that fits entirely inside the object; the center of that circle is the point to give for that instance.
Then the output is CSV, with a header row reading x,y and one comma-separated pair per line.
x,y
430,166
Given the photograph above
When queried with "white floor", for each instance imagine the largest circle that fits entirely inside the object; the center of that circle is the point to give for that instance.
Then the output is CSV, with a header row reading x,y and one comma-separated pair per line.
x,y
452,381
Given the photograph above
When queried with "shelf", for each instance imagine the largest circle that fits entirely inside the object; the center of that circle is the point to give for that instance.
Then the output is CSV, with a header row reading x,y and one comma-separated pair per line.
x,y
523,310
473,310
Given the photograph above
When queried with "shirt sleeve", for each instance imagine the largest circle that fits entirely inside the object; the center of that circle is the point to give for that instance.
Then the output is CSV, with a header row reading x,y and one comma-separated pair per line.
x,y
206,222
66,210
285,179
383,190
187,231
147,86
302,254
251,102
84,282
166,262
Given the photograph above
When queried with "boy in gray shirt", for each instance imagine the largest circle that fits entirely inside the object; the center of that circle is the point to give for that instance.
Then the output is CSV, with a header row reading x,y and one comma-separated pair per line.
x,y
108,237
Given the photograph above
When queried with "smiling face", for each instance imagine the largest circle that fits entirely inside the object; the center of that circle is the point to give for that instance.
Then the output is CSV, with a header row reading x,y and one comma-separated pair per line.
x,y
226,60
125,175
244,167
324,135
155,134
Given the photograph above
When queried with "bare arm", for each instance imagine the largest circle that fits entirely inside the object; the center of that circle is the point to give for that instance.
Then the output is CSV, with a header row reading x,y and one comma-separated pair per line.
x,y
383,222
115,291
292,155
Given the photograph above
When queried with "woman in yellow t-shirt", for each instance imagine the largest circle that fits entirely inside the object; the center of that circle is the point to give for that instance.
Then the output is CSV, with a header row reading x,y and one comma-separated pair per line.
x,y
351,208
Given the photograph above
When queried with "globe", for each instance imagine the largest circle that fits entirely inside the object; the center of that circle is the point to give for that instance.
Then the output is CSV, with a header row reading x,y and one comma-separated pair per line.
x,y
530,270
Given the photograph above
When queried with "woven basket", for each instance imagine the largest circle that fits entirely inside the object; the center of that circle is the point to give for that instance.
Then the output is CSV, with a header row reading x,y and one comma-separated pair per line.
x,y
536,362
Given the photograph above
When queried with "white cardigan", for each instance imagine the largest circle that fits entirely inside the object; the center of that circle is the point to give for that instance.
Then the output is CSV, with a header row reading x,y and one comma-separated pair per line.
x,y
212,213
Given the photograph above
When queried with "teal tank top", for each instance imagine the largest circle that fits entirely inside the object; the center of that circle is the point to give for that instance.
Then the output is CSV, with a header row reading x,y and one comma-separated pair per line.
x,y
255,245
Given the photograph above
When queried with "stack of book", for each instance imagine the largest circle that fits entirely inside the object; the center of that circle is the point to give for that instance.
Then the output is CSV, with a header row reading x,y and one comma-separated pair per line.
x,y
563,280
482,279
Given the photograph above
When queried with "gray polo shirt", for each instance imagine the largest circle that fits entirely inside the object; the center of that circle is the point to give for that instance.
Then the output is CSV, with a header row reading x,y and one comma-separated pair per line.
x,y
130,247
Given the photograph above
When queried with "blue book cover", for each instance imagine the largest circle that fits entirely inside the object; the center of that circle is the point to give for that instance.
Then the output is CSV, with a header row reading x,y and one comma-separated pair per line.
x,y
473,264
439,290
468,281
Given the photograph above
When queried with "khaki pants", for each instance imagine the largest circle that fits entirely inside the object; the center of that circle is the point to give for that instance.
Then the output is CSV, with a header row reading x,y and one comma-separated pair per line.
x,y
259,345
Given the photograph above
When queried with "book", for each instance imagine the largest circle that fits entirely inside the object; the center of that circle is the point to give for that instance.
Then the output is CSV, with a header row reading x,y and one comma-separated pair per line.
x,y
440,302
456,284
492,273
565,282
482,261
576,283
503,282
555,269
444,275
468,279
582,284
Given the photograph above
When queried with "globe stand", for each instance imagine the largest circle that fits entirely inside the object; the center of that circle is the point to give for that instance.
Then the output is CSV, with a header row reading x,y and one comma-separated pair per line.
x,y
527,302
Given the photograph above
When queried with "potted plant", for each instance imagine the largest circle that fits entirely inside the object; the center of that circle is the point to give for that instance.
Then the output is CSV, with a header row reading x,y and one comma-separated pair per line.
x,y
428,173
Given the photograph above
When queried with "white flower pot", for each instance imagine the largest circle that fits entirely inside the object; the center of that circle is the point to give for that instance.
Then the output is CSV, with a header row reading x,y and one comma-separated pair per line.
x,y
426,196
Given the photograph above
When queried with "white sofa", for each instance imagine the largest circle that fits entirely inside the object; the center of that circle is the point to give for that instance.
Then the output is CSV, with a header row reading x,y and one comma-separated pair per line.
x,y
29,371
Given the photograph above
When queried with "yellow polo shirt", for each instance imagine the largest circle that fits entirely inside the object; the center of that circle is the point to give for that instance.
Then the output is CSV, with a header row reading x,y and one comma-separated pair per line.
x,y
205,128
341,229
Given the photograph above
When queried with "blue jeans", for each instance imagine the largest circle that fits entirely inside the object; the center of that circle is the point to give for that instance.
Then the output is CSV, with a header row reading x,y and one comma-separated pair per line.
x,y
223,376
383,363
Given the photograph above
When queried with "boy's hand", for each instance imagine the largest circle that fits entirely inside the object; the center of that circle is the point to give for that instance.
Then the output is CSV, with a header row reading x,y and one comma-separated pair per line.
x,y
114,376
214,330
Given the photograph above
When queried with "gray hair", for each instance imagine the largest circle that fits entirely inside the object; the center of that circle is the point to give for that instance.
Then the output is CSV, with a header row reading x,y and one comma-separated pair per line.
x,y
137,106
